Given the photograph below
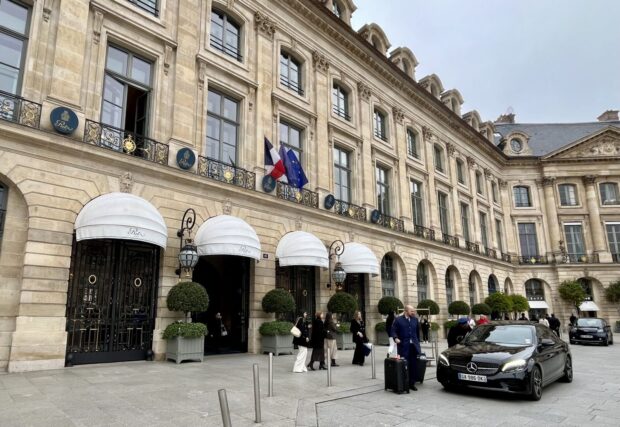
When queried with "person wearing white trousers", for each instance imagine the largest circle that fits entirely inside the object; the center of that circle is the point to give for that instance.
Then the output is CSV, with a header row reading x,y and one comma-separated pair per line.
x,y
302,342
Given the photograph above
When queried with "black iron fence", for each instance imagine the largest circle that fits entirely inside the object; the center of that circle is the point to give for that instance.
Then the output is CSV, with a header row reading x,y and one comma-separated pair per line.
x,y
125,142
219,45
341,112
425,233
391,223
580,258
297,195
229,174
350,210
450,240
291,84
19,110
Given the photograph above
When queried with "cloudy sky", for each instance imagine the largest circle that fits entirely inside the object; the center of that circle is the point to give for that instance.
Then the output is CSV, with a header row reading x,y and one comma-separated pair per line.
x,y
552,61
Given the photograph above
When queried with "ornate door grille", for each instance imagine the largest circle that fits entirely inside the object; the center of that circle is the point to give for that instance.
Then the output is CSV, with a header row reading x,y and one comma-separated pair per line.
x,y
111,301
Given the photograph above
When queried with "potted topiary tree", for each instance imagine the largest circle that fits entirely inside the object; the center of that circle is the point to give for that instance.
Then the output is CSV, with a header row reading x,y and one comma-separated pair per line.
x,y
519,304
572,292
499,303
481,308
345,305
386,306
276,335
458,308
186,340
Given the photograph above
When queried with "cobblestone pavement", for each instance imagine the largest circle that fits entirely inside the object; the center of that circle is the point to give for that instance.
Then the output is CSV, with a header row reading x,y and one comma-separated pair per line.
x,y
166,394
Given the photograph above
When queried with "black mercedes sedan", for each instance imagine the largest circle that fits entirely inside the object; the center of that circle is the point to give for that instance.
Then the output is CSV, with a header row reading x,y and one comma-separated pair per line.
x,y
591,330
507,356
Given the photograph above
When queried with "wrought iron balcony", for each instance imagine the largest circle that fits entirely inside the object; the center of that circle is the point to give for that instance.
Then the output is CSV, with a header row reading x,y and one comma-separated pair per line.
x,y
533,259
391,223
381,135
506,257
615,257
341,112
491,253
18,110
472,247
297,195
218,44
294,86
125,142
580,259
223,172
350,210
425,233
450,240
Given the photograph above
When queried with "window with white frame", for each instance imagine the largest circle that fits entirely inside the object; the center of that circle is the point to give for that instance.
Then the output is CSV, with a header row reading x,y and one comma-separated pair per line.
x,y
442,205
449,287
412,144
522,196
225,34
417,203
380,127
568,195
422,282
484,233
465,221
149,6
14,29
499,235
342,175
460,171
479,184
439,158
573,233
290,72
222,127
527,239
609,193
494,191
613,238
291,138
340,102
383,190
388,277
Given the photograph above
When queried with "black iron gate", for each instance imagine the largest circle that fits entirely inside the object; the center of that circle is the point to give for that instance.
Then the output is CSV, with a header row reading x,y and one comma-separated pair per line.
x,y
300,281
111,301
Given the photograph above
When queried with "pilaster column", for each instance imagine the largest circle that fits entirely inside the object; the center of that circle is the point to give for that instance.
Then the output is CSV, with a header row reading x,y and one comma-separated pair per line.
x,y
512,246
456,213
368,165
553,224
475,231
404,211
433,213
321,172
596,228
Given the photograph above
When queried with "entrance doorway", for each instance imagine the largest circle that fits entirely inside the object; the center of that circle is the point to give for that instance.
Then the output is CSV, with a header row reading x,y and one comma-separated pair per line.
x,y
300,281
355,284
227,281
111,301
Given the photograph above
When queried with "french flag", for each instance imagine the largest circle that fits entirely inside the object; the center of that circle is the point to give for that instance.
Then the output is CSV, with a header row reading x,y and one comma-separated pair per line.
x,y
274,165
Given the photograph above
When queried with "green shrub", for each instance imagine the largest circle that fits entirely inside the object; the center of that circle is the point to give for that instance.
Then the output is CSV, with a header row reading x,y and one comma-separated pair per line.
x,y
481,308
612,292
458,307
572,292
499,302
434,326
278,301
344,328
185,330
188,297
449,324
380,327
519,303
389,305
429,304
275,327
342,303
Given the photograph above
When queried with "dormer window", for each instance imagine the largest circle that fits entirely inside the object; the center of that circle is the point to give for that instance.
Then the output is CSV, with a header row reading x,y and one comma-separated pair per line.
x,y
516,145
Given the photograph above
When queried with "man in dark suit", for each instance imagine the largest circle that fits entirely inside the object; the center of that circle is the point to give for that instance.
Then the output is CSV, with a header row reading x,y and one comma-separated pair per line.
x,y
406,334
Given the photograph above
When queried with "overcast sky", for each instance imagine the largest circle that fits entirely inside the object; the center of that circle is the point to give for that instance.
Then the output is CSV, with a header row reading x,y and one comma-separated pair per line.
x,y
552,61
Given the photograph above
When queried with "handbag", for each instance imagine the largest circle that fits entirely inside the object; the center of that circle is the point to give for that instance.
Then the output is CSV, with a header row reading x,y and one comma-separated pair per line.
x,y
367,347
295,331
223,331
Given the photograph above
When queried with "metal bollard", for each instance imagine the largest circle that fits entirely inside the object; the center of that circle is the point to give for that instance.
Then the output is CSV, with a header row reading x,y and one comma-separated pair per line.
x,y
257,417
270,374
372,360
329,368
224,408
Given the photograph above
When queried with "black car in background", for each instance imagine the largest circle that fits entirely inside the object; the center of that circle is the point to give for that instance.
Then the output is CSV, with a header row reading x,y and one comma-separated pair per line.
x,y
507,356
591,329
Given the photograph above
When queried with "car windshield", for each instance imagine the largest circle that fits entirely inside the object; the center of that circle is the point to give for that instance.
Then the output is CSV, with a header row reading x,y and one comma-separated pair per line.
x,y
591,323
501,334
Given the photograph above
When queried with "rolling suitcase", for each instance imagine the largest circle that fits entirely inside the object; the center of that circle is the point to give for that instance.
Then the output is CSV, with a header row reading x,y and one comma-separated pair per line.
x,y
420,367
396,375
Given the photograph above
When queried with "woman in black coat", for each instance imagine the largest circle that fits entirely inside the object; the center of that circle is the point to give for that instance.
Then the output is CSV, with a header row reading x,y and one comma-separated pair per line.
x,y
302,342
318,342
358,329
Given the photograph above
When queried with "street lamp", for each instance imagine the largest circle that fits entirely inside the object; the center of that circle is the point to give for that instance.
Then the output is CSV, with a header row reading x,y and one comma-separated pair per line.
x,y
338,275
188,253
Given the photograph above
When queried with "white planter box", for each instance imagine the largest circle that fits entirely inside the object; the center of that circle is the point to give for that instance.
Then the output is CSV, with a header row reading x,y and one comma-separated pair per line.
x,y
345,341
180,349
277,344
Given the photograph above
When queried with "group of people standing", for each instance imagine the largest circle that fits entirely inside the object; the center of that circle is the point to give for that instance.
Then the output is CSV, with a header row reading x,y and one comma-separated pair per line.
x,y
320,335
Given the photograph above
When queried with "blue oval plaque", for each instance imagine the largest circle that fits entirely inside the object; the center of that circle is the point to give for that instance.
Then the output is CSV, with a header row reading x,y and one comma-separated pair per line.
x,y
269,184
186,158
329,202
375,216
64,120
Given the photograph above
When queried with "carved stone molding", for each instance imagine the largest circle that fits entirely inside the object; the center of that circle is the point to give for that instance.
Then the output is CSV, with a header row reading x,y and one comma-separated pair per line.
x,y
320,61
471,162
364,91
399,115
264,25
427,133
126,182
393,245
202,74
275,106
227,207
604,146
352,236
252,98
47,10
548,180
299,222
167,58
502,183
97,27
487,173
589,179
451,149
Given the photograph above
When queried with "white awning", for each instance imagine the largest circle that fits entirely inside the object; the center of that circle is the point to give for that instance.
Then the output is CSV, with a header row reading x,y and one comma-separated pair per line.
x,y
301,248
358,258
227,235
588,306
538,305
121,216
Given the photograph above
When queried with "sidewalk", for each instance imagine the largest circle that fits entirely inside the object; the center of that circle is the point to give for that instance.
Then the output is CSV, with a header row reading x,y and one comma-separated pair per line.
x,y
167,394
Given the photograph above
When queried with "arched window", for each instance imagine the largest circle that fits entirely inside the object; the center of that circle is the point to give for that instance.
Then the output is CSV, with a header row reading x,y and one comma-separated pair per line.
x,y
534,290
388,276
225,34
492,285
522,196
449,287
472,290
290,72
422,282
412,144
380,125
3,197
340,102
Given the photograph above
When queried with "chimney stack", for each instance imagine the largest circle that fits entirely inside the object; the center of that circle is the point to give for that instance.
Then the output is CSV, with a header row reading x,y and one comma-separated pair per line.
x,y
608,116
506,118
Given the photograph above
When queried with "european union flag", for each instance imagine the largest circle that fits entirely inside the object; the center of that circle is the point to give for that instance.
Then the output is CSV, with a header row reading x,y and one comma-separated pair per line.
x,y
294,172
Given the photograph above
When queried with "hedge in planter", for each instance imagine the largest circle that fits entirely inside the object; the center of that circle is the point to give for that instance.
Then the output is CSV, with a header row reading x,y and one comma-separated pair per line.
x,y
276,335
389,305
458,307
278,301
342,303
481,308
382,338
429,304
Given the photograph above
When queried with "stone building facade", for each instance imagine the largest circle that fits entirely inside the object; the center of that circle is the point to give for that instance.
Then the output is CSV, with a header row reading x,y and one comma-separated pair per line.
x,y
117,116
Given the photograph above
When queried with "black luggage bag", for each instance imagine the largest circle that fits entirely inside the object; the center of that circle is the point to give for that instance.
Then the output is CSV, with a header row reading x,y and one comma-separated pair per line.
x,y
396,375
420,367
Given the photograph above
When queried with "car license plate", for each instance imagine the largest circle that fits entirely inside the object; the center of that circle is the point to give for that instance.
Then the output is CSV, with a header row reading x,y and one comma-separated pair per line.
x,y
587,336
470,377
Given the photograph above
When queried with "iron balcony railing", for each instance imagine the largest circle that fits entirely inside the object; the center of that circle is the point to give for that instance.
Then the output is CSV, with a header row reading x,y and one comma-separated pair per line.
x,y
472,247
294,86
218,44
580,258
19,110
149,6
226,173
126,142
350,210
506,257
425,233
391,223
491,253
615,257
297,195
450,240
533,259
381,135
341,112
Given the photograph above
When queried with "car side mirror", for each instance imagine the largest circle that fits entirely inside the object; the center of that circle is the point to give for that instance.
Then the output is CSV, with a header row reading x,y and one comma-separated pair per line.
x,y
546,342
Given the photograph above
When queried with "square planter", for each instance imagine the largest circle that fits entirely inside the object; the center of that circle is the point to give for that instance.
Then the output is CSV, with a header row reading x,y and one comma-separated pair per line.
x,y
180,349
277,344
344,341
382,338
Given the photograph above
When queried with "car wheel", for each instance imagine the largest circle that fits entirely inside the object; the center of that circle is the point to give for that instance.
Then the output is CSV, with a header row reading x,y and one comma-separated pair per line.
x,y
536,384
447,386
568,370
606,343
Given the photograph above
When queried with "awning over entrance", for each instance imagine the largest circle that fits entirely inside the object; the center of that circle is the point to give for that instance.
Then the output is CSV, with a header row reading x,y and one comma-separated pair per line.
x,y
358,258
121,216
227,235
588,306
301,248
534,305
